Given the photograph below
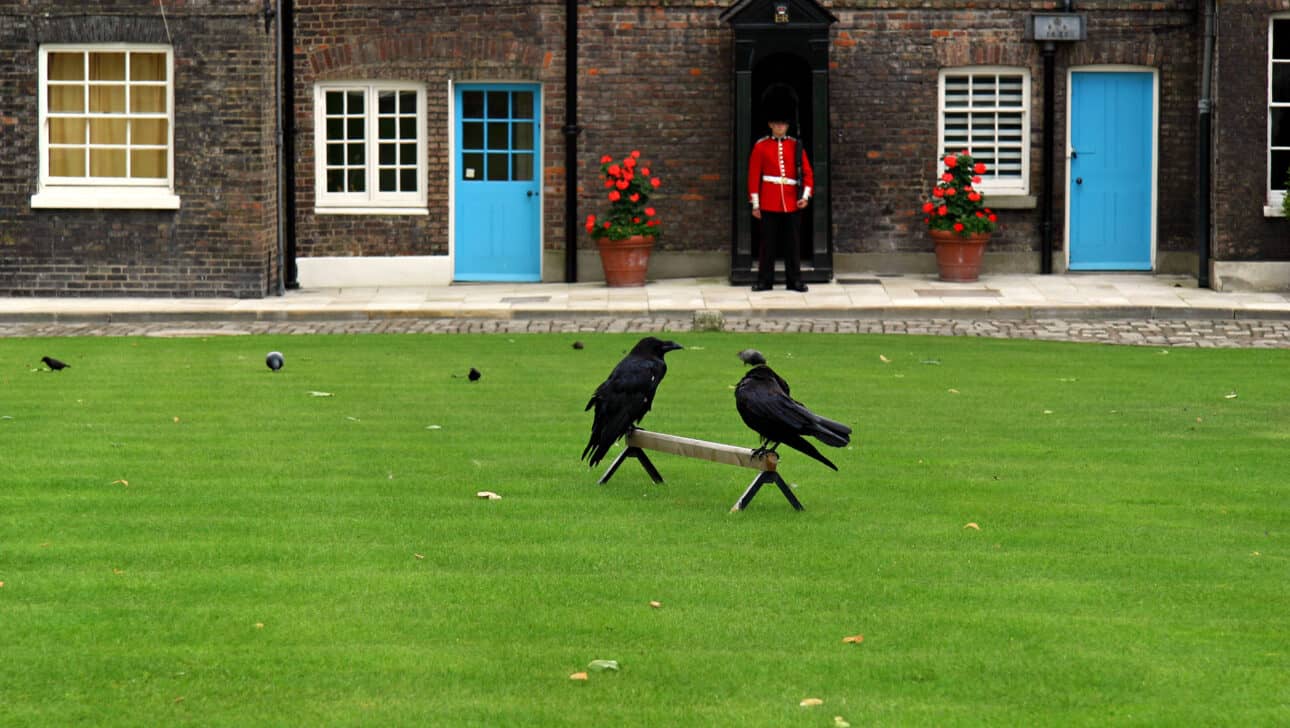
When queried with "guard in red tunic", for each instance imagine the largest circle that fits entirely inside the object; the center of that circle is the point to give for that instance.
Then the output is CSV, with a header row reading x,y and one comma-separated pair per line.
x,y
778,191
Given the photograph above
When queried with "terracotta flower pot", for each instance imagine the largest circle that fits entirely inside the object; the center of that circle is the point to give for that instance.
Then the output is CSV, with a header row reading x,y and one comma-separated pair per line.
x,y
958,257
625,261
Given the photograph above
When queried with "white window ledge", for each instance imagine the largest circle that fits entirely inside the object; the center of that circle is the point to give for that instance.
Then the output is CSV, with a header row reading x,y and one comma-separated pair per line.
x,y
1009,201
1270,211
319,210
106,198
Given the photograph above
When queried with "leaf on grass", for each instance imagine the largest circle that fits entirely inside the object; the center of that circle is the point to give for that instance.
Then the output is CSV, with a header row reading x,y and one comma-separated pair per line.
x,y
972,526
840,722
488,495
176,420
1,584
811,702
954,391
883,359
121,482
1048,412
1253,553
118,572
603,665
6,417
321,394
854,639
259,625
1230,395
931,362
656,604
352,418
418,556
179,699
1068,380
434,427
578,676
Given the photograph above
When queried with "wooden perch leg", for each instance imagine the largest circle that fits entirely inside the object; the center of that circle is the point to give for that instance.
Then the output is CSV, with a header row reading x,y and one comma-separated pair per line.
x,y
632,452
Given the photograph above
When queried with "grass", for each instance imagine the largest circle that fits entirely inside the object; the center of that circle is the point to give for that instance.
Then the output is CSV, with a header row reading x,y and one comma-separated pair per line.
x,y
276,558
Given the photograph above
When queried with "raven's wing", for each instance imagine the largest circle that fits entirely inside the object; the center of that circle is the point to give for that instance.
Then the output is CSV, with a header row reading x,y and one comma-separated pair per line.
x,y
770,412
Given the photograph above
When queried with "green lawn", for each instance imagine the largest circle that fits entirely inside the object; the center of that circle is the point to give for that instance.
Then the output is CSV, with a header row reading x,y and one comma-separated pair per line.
x,y
188,538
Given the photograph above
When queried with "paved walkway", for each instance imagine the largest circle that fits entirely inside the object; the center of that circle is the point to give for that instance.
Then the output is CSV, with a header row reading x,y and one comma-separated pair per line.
x,y
1121,308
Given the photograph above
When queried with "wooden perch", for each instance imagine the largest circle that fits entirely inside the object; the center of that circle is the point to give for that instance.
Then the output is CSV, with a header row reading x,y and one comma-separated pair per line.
x,y
702,450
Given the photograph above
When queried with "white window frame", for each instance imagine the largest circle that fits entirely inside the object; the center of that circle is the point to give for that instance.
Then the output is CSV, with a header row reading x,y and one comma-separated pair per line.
x,y
372,201
1011,185
1274,197
104,192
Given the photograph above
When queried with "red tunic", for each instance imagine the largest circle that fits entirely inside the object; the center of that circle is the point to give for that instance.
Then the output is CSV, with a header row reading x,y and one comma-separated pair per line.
x,y
772,175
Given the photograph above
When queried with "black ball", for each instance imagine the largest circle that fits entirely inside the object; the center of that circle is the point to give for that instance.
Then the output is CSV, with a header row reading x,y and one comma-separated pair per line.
x,y
274,360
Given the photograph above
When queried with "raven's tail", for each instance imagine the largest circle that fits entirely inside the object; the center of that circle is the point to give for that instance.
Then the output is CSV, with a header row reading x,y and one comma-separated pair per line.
x,y
801,445
831,432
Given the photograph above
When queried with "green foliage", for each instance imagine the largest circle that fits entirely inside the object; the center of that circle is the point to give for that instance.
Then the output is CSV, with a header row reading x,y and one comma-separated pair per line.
x,y
955,204
1285,201
188,538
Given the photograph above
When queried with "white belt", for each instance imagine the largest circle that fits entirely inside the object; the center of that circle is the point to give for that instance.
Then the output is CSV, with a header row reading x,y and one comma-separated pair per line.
x,y
778,180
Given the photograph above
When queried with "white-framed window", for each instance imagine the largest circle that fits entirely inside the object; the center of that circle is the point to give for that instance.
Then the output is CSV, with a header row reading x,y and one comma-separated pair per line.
x,y
369,141
106,126
986,110
1278,110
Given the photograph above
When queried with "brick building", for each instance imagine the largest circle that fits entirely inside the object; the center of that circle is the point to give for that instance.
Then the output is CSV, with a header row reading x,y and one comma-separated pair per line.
x,y
168,147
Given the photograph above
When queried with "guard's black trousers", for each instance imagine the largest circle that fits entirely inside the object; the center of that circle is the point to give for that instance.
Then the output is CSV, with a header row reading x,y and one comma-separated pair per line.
x,y
779,237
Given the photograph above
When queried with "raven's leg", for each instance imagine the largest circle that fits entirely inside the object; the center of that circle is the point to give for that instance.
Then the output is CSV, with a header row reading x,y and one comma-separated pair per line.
x,y
761,451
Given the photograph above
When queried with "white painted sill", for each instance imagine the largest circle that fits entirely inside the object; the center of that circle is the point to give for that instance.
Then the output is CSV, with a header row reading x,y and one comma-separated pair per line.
x,y
105,198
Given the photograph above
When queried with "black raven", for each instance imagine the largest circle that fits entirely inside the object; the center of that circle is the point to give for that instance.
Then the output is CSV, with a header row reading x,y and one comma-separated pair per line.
x,y
53,363
473,375
762,398
273,360
624,398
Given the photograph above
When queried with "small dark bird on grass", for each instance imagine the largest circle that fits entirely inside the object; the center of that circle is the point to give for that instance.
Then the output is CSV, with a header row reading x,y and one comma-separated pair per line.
x,y
624,398
274,360
54,364
474,375
577,344
762,398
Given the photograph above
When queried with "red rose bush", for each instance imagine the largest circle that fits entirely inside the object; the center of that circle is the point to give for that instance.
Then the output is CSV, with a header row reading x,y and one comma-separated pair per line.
x,y
628,184
956,205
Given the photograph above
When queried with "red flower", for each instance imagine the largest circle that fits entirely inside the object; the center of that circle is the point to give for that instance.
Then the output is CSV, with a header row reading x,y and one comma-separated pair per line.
x,y
938,192
636,154
976,180
608,183
615,170
942,211
951,161
629,162
950,192
636,220
979,168
656,182
591,222
606,159
958,227
649,211
947,177
644,171
622,184
974,196
614,196
606,225
992,217
928,207
635,197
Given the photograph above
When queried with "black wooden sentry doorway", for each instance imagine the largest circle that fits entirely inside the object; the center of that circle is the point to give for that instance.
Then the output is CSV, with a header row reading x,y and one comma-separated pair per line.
x,y
781,46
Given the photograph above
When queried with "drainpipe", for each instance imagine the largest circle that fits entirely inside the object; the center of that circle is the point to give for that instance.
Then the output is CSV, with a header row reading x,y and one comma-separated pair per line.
x,y
287,145
1049,142
571,131
1203,171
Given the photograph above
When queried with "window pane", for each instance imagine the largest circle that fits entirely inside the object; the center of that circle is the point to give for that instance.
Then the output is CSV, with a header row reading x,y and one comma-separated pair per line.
x,y
335,154
66,131
66,98
1280,166
107,99
385,128
1281,38
1281,82
407,102
1281,127
107,162
498,135
67,162
408,127
355,153
472,166
386,102
148,163
408,180
107,66
354,103
67,66
499,106
147,66
472,104
335,103
523,104
385,154
148,99
335,180
335,129
354,128
148,131
107,131
523,171
523,137
386,180
497,167
357,179
472,135
407,154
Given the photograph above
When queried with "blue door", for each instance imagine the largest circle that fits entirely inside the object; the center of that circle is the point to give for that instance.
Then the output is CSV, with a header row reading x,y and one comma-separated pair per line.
x,y
497,186
1110,170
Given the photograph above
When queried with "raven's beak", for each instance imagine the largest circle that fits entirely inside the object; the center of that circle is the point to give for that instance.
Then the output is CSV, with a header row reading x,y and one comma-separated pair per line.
x,y
671,346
